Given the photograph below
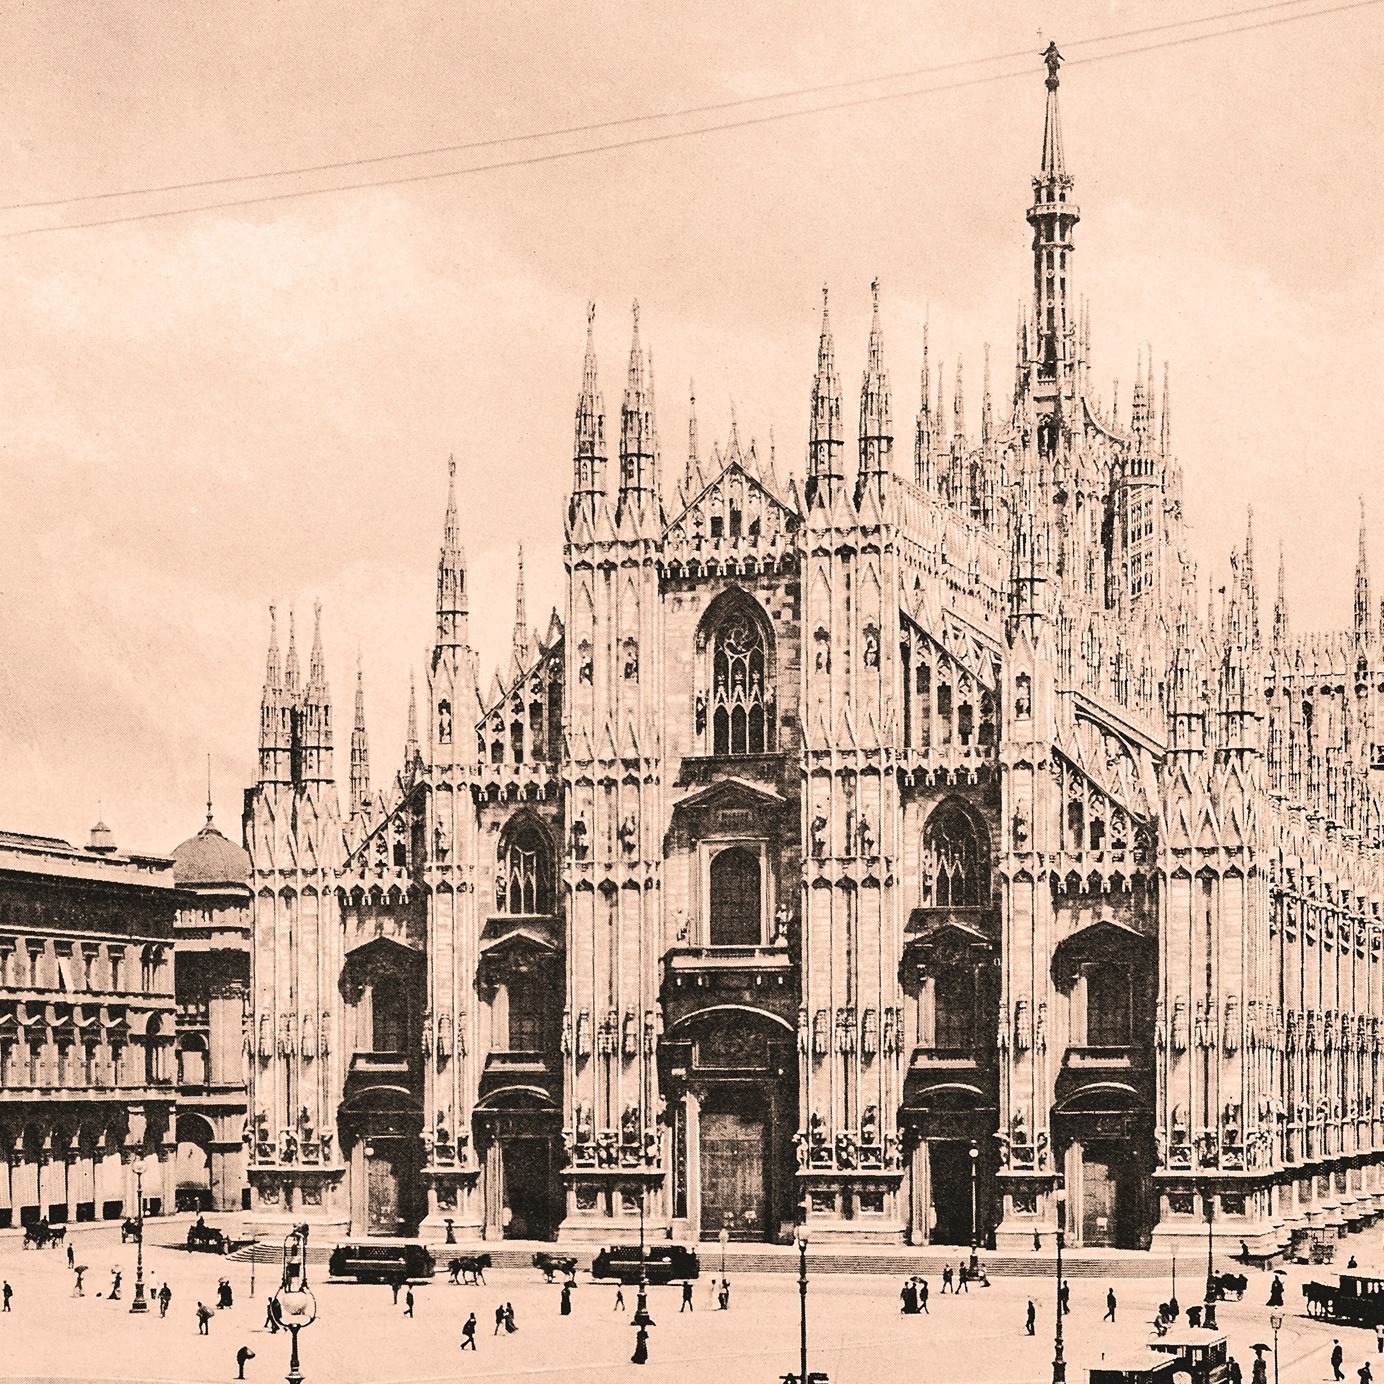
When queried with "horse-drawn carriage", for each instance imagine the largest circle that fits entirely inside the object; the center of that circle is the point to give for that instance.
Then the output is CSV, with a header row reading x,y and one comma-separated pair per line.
x,y
41,1235
1229,1286
1357,1300
467,1268
553,1265
207,1238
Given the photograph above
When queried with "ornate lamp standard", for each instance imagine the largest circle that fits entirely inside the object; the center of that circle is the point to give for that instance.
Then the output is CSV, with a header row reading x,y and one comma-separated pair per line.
x,y
1276,1322
975,1234
802,1302
641,1319
1208,1317
1059,1364
294,1304
139,1303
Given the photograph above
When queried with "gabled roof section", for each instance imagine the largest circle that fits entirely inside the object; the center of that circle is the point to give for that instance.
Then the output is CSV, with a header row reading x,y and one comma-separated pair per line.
x,y
730,789
549,651
760,487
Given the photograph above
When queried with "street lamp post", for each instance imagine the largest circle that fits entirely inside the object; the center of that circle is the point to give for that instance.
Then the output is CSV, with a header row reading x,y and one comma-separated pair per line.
x,y
1276,1322
1059,1364
724,1239
975,1233
295,1306
1209,1315
641,1319
138,1303
802,1301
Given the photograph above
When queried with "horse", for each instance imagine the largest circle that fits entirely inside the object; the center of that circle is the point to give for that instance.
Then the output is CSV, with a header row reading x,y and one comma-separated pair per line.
x,y
468,1269
553,1264
1321,1299
56,1235
1230,1285
35,1236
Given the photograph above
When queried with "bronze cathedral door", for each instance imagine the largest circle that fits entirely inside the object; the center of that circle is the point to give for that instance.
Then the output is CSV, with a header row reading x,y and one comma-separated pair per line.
x,y
734,1147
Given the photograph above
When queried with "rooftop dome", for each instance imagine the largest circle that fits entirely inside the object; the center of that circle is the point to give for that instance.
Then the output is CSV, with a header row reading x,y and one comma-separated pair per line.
x,y
209,858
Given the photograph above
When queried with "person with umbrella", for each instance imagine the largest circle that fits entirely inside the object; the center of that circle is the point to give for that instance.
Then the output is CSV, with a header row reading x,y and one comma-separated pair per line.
x,y
79,1270
1275,1291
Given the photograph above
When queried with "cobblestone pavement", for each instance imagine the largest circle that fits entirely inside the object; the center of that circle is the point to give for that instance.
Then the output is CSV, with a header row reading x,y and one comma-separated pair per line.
x,y
856,1333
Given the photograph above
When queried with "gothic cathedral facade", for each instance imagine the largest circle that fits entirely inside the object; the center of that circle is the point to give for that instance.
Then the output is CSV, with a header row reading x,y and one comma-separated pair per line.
x,y
851,850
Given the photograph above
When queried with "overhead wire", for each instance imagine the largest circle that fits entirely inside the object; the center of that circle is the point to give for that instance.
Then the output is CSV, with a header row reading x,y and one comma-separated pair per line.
x,y
664,136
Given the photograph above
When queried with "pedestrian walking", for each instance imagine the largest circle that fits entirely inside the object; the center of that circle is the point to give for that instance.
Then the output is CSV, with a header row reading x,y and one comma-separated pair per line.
x,y
619,1299
271,1316
243,1355
1275,1293
165,1297
713,1299
908,1298
468,1333
1259,1371
6,1293
725,1295
80,1271
1109,1305
71,1258
1337,1356
510,1326
1030,1318
1236,1375
1366,1375
963,1278
223,1294
408,1302
923,1291
115,1285
499,1318
641,1347
203,1317
566,1305
394,1289
686,1297
947,1284
1064,1296
1379,1338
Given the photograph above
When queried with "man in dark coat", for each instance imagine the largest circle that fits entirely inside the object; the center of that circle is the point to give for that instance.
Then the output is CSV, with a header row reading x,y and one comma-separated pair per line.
x,y
468,1333
1030,1318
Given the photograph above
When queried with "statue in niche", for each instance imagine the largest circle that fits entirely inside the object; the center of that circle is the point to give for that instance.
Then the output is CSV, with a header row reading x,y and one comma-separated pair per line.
x,y
871,653
865,837
631,661
309,1043
782,917
631,1042
817,832
566,1030
577,839
442,839
869,1126
629,1125
801,1149
629,834
583,1124
444,723
584,1033
501,889
585,667
1179,1025
845,1150
802,1028
700,706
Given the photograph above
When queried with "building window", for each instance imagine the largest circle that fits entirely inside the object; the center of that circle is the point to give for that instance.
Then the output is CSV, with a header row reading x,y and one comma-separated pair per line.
x,y
388,1015
956,866
117,969
735,707
152,1052
954,1008
1109,1007
735,899
527,1007
523,880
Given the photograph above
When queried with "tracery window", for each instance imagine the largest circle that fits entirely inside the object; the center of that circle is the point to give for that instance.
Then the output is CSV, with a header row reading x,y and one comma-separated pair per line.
x,y
735,705
523,880
956,867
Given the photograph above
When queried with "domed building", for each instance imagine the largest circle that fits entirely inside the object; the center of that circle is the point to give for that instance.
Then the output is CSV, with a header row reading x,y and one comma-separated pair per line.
x,y
211,983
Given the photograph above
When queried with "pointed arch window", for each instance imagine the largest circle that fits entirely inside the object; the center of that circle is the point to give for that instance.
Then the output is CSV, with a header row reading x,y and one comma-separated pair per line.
x,y
956,865
735,706
524,877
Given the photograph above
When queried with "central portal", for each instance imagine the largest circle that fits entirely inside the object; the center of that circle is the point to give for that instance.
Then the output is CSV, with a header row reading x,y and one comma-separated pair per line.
x,y
734,1142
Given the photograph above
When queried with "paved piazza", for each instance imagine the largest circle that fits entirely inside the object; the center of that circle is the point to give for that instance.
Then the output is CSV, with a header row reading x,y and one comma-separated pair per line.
x,y
856,1333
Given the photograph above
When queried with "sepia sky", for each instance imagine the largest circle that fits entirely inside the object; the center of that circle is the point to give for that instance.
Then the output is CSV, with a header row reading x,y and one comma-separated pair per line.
x,y
204,414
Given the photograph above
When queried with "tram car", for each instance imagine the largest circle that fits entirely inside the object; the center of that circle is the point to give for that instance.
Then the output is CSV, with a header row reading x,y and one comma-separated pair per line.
x,y
1203,1356
1357,1300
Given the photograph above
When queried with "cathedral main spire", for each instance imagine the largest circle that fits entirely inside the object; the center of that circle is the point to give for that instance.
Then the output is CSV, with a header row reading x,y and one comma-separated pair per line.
x,y
1363,609
1052,217
824,433
522,647
589,446
452,601
876,424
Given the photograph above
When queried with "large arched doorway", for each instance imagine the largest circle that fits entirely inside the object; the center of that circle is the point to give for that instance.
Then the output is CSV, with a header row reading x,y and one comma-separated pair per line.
x,y
382,1139
192,1164
517,1137
732,1077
